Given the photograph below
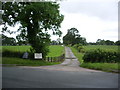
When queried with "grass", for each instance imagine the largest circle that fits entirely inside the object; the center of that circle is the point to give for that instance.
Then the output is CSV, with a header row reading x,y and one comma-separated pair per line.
x,y
26,62
104,47
77,54
108,67
16,48
54,50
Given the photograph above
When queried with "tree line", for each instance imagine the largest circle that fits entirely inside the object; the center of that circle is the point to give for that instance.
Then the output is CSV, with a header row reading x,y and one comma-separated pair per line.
x,y
73,37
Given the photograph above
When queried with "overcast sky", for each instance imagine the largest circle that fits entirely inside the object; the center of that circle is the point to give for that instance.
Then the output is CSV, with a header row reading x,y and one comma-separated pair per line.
x,y
95,19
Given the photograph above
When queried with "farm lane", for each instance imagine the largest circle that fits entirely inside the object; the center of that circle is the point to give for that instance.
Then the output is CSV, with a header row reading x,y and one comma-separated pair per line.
x,y
70,59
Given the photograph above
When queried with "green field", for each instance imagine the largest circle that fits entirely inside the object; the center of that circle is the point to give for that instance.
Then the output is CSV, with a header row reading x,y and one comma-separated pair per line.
x,y
54,50
109,67
104,47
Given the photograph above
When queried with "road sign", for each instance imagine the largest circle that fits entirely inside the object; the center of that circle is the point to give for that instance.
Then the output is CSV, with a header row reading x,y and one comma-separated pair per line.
x,y
38,55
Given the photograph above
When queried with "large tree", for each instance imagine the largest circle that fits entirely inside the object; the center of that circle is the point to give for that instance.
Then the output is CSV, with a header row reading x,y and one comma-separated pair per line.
x,y
36,19
73,37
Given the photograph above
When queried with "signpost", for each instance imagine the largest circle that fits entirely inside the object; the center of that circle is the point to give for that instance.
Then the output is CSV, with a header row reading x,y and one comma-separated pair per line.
x,y
38,55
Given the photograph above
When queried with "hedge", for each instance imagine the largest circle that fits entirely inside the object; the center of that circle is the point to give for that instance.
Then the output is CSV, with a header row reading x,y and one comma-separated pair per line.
x,y
100,55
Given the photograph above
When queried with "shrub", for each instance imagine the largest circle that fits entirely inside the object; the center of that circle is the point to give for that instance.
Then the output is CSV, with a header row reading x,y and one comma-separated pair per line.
x,y
7,53
79,48
100,55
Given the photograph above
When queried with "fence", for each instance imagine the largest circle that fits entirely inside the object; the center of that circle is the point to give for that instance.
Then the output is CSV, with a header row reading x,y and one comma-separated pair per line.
x,y
55,59
31,56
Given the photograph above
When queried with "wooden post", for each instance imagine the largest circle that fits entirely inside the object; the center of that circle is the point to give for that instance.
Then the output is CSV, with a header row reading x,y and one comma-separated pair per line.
x,y
48,59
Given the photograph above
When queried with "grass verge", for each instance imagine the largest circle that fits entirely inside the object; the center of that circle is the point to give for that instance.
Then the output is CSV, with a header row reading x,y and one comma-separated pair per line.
x,y
77,54
108,67
26,62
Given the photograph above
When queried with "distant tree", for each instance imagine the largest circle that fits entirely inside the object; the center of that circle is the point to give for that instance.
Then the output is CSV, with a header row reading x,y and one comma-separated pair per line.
x,y
92,43
117,42
104,42
8,40
72,37
59,41
108,42
54,42
36,19
100,42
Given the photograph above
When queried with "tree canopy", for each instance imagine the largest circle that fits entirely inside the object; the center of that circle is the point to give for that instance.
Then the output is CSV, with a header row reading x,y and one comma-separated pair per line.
x,y
36,18
73,37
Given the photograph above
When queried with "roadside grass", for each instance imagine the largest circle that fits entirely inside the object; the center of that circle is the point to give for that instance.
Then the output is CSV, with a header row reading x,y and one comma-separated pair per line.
x,y
77,54
108,67
26,62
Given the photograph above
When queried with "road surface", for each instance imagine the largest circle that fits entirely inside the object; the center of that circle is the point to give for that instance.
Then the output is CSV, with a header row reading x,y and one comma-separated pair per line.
x,y
65,75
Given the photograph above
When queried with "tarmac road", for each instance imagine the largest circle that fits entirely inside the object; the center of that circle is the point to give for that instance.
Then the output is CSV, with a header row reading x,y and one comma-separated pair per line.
x,y
65,75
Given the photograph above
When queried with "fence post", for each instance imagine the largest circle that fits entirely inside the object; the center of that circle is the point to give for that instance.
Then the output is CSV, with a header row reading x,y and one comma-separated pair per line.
x,y
48,59
51,59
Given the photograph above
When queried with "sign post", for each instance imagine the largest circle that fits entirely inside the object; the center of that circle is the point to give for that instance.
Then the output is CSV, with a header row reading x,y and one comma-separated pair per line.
x,y
38,55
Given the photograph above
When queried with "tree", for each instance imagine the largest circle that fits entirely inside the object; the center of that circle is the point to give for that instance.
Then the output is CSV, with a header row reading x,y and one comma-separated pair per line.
x,y
100,42
8,40
108,42
59,41
36,18
104,42
72,37
117,42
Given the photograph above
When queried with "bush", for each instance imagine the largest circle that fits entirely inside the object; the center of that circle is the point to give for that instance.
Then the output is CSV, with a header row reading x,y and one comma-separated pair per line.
x,y
99,55
79,48
7,53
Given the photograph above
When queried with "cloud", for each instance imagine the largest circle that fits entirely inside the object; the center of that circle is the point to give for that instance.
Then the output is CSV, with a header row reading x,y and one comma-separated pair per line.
x,y
104,10
94,20
92,28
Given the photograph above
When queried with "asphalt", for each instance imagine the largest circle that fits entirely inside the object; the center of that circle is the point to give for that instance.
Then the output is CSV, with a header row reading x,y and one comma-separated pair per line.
x,y
65,75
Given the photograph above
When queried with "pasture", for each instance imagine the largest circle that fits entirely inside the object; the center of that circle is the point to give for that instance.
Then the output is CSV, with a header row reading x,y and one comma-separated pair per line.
x,y
104,47
54,50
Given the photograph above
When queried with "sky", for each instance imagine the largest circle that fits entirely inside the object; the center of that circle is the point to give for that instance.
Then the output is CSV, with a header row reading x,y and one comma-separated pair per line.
x,y
95,19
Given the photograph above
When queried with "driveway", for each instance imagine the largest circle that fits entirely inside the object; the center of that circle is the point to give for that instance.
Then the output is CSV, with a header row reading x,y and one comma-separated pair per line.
x,y
65,75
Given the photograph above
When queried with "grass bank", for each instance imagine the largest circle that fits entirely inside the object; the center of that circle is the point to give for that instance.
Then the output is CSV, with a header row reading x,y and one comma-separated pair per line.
x,y
26,62
109,67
